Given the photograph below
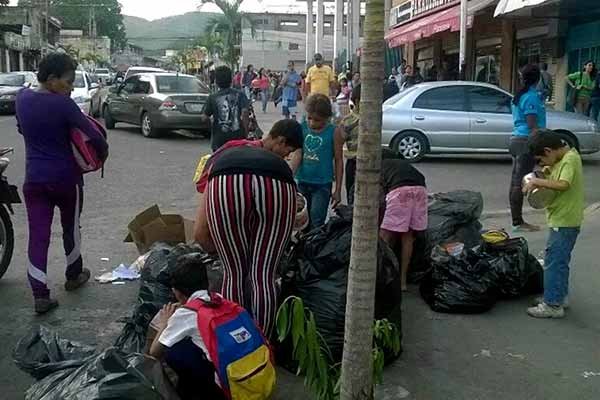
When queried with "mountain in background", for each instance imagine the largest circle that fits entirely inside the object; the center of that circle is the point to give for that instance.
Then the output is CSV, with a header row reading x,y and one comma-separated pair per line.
x,y
166,33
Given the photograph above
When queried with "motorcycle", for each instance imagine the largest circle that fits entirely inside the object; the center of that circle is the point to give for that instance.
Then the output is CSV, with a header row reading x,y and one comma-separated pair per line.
x,y
9,195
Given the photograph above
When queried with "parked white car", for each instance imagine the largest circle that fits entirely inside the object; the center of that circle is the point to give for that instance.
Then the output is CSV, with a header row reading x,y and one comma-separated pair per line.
x,y
83,90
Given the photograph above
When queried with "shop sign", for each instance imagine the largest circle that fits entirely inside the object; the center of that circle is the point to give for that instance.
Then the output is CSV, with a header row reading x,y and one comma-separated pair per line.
x,y
16,42
25,30
401,13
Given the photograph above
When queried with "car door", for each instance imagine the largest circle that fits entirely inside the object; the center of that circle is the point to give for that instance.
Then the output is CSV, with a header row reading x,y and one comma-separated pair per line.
x,y
441,113
141,89
490,118
119,103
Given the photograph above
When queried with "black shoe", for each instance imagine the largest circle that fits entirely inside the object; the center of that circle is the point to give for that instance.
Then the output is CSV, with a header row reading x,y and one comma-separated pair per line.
x,y
74,284
42,306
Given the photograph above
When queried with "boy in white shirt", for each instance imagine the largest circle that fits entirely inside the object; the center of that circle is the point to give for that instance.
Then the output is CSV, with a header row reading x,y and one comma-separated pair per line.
x,y
178,341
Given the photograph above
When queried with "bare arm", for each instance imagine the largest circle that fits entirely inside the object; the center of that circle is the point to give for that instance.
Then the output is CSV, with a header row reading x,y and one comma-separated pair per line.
x,y
559,185
201,232
295,160
532,124
157,349
339,165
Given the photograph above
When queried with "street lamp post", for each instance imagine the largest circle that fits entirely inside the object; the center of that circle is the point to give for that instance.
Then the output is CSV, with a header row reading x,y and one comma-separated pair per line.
x,y
463,39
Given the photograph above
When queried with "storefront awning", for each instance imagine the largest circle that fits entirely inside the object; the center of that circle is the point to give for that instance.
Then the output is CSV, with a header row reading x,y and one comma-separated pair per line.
x,y
445,20
510,6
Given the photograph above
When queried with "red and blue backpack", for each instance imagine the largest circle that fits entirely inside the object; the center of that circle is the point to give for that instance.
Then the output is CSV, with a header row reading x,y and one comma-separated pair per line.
x,y
237,348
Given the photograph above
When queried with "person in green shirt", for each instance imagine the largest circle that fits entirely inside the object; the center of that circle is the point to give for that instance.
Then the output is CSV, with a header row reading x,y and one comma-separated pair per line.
x,y
583,83
564,175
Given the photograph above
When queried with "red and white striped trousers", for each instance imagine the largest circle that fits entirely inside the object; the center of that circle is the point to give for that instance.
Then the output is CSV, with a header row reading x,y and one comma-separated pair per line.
x,y
250,219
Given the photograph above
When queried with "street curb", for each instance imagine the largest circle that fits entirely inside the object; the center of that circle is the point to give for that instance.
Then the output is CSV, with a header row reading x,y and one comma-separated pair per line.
x,y
589,210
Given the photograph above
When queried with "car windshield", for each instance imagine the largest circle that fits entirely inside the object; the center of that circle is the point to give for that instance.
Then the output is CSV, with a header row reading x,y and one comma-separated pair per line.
x,y
178,84
79,82
12,80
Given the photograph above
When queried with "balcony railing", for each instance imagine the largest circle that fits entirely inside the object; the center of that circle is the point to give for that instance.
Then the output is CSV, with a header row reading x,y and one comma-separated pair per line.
x,y
423,6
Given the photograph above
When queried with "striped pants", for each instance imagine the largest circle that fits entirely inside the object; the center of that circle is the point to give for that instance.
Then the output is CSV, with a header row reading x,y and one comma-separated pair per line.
x,y
40,200
250,219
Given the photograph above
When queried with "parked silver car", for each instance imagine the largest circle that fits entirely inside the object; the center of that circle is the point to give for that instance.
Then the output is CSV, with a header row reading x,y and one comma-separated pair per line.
x,y
467,117
158,102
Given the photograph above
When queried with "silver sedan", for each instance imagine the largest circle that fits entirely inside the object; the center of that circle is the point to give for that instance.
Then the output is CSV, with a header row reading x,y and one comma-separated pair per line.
x,y
467,117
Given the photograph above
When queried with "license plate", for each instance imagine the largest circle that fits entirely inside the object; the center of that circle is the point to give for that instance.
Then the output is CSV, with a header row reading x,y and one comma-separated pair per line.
x,y
193,107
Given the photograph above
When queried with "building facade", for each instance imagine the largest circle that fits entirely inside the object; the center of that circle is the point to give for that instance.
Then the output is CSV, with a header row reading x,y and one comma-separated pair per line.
x,y
90,52
25,36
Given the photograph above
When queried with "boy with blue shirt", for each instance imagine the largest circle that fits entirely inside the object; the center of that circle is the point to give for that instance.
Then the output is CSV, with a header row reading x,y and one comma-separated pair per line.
x,y
289,98
564,175
529,115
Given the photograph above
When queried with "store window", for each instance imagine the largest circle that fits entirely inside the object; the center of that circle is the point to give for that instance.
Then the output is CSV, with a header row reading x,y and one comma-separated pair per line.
x,y
487,67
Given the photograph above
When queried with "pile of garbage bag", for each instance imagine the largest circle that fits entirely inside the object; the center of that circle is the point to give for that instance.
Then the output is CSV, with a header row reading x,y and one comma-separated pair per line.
x,y
452,217
316,270
155,290
475,280
74,371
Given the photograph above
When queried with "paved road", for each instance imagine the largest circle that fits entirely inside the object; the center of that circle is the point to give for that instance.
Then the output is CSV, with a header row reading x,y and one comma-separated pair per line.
x,y
438,362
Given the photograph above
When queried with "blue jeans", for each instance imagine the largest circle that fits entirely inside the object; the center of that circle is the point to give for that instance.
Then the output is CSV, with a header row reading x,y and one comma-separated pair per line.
x,y
317,197
556,264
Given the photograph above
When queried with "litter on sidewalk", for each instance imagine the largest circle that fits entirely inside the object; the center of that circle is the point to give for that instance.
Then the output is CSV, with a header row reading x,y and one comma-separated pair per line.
x,y
121,273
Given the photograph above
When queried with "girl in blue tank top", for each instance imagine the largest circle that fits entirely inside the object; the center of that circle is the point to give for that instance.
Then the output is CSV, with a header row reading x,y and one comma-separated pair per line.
x,y
321,159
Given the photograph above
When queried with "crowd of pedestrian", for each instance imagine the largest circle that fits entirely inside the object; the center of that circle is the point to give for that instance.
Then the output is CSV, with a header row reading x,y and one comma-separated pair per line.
x,y
248,188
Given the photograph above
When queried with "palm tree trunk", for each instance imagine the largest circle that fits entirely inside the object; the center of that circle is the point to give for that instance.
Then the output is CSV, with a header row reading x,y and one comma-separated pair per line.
x,y
357,362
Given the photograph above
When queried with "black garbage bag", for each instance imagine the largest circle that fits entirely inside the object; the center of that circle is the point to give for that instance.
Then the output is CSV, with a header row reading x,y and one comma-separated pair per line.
x,y
41,352
317,272
465,284
452,217
110,375
132,338
517,272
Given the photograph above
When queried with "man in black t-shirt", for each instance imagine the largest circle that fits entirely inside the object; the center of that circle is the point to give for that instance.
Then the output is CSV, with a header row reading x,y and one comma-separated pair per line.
x,y
228,109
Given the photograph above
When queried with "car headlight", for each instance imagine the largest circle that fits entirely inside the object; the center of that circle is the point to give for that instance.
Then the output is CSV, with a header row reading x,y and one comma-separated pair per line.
x,y
7,97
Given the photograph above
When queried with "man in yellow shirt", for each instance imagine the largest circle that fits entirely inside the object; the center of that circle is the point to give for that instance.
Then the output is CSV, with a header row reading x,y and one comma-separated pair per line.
x,y
320,78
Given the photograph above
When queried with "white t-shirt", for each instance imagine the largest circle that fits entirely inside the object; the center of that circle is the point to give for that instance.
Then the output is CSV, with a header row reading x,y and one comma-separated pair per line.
x,y
184,323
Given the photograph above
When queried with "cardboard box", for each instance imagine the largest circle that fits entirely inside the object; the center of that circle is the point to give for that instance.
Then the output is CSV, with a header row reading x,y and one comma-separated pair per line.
x,y
150,226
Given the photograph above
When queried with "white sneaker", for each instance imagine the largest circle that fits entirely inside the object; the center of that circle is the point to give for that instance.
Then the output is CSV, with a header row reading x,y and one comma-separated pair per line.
x,y
543,310
540,300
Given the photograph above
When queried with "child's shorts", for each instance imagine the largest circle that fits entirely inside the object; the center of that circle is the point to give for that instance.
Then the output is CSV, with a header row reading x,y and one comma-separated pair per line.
x,y
406,209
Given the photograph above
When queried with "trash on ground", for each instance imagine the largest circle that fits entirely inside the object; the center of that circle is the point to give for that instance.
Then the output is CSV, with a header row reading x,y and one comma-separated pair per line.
x,y
519,356
484,353
589,374
151,226
105,259
454,249
121,273
316,270
118,283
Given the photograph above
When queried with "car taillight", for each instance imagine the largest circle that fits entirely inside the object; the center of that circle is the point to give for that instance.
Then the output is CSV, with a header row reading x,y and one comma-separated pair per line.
x,y
167,105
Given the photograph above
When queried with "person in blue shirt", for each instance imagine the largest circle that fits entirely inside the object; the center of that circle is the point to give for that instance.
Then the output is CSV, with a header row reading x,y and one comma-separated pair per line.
x,y
320,159
289,98
529,116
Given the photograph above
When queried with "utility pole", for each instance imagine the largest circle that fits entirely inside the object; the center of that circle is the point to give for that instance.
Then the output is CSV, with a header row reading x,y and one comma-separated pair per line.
x,y
463,39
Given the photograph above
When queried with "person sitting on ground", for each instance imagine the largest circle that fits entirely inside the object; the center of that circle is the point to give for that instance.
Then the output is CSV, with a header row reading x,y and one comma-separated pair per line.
x,y
564,175
320,159
178,341
246,212
405,206
228,109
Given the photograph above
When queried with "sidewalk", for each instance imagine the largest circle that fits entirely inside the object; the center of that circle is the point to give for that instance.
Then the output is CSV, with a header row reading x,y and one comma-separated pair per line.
x,y
501,354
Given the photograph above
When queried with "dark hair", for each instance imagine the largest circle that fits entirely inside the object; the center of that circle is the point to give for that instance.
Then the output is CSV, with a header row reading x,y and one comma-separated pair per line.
x,y
223,76
249,67
544,66
594,70
343,80
530,75
189,275
289,129
389,154
261,72
319,104
545,138
355,96
56,65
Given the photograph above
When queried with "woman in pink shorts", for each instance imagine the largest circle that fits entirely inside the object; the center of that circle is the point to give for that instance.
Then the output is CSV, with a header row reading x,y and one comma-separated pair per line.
x,y
405,207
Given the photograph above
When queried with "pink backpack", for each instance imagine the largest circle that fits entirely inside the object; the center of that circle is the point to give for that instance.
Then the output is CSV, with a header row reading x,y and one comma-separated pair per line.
x,y
85,154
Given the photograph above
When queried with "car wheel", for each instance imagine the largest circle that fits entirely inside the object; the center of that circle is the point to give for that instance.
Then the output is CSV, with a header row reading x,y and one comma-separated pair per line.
x,y
148,129
109,121
569,139
411,145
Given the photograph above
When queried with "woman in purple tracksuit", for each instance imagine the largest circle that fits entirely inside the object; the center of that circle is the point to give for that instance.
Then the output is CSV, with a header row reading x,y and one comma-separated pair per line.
x,y
45,117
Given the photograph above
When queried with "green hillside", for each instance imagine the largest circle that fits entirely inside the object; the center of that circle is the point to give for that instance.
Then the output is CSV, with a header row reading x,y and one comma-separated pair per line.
x,y
166,33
